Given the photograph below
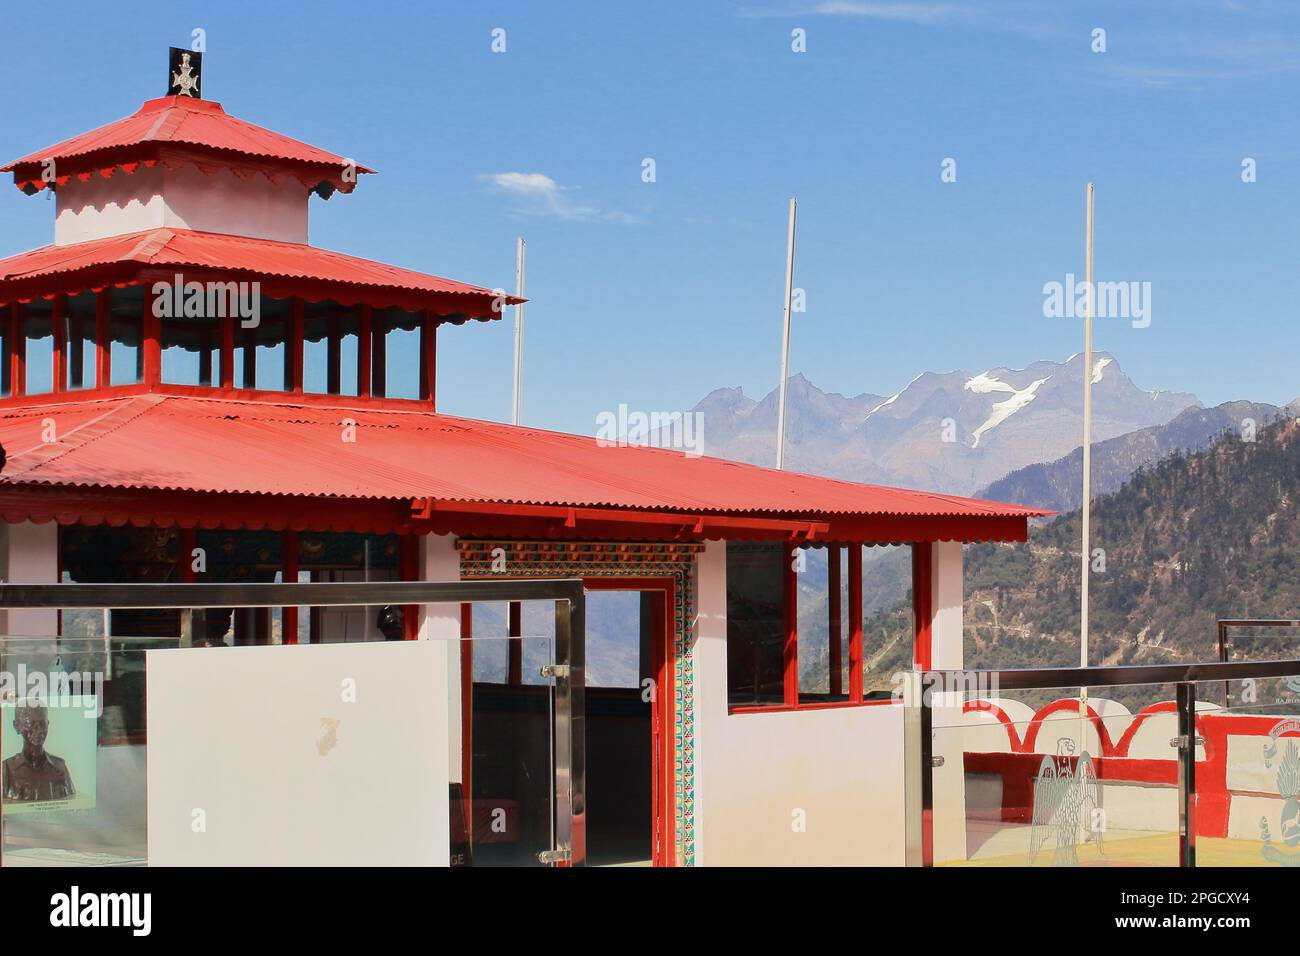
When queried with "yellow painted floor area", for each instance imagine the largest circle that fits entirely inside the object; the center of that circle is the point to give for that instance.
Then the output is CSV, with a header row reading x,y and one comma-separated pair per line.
x,y
1009,846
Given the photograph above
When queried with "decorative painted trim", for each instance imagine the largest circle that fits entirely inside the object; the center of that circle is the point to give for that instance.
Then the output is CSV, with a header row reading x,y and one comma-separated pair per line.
x,y
618,559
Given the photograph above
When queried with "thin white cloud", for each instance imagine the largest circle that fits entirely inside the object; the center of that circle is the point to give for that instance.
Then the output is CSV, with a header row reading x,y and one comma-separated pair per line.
x,y
530,184
1016,16
540,195
923,13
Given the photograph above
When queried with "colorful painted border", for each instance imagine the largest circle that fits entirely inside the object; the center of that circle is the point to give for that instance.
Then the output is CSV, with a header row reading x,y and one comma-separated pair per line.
x,y
604,559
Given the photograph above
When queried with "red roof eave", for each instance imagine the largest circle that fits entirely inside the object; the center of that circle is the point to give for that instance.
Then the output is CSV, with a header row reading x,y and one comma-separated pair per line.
x,y
284,269
175,129
462,471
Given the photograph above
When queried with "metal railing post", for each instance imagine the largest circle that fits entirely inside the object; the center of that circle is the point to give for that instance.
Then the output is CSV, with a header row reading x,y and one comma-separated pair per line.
x,y
1186,742
927,771
570,731
913,776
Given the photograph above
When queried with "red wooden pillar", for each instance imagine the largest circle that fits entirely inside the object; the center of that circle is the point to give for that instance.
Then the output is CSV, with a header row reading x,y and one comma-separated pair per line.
x,y
17,352
205,355
151,341
289,571
103,339
378,357
365,336
922,603
790,605
836,616
249,342
295,346
855,622
515,646
334,355
228,352
58,369
429,359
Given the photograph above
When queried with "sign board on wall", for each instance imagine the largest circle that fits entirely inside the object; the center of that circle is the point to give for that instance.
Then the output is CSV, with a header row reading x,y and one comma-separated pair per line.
x,y
315,755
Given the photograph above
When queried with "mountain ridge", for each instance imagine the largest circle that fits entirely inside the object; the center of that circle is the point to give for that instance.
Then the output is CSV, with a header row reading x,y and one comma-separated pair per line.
x,y
953,431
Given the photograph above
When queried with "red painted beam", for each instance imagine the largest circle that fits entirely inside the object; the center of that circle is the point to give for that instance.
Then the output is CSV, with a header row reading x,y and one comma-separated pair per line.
x,y
424,507
855,623
833,554
922,604
790,607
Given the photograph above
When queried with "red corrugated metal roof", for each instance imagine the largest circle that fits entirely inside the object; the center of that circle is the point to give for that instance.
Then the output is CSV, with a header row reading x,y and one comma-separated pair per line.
x,y
226,446
186,121
179,248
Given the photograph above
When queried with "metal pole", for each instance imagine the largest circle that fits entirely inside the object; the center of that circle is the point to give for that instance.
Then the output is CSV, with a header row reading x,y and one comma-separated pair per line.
x,y
785,340
1186,745
1087,458
519,325
926,715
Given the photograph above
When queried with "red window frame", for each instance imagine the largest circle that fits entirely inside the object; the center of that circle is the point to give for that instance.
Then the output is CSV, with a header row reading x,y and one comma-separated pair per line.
x,y
921,614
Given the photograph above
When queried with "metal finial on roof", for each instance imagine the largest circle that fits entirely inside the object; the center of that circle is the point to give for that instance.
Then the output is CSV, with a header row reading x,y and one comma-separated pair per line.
x,y
184,73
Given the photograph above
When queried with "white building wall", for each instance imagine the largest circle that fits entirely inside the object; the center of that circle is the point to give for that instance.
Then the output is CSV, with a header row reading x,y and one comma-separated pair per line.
x,y
29,554
946,595
947,639
758,776
440,561
181,198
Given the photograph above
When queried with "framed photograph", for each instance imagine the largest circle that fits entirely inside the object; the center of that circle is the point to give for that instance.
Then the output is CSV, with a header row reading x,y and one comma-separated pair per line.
x,y
48,753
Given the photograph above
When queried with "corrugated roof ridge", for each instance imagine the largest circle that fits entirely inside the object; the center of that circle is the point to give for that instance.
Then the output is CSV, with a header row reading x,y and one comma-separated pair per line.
x,y
167,128
170,117
848,483
123,412
504,431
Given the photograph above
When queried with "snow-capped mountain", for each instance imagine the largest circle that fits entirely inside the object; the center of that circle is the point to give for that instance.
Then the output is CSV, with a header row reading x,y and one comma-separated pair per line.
x,y
949,431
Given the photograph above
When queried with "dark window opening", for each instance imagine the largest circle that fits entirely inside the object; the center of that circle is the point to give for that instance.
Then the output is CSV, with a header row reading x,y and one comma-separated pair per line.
x,y
755,623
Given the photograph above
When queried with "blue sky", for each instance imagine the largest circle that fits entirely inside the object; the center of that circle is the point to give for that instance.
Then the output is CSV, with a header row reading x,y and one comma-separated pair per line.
x,y
651,294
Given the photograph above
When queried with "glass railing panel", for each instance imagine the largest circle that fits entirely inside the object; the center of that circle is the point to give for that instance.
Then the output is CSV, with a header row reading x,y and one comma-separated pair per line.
x,y
1248,787
1261,642
72,739
1031,779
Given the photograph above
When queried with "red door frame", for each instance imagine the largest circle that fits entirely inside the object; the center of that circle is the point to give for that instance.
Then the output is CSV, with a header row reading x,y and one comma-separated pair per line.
x,y
661,657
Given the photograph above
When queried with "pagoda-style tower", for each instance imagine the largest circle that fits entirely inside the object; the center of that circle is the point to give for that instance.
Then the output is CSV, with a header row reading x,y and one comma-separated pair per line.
x,y
179,311
183,194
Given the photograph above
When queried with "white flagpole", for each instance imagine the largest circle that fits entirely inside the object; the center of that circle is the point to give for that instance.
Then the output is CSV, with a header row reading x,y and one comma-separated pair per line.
x,y
785,341
1087,457
519,324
